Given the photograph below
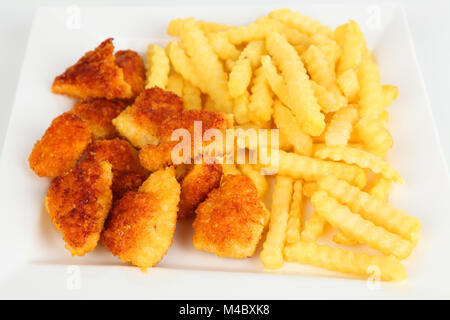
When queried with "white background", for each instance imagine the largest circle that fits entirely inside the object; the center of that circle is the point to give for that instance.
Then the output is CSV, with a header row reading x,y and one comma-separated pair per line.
x,y
429,21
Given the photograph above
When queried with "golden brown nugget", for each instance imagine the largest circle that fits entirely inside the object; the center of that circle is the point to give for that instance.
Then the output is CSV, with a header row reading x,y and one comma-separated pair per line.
x,y
230,221
140,228
95,75
128,174
78,203
133,69
98,113
140,122
196,185
155,157
62,144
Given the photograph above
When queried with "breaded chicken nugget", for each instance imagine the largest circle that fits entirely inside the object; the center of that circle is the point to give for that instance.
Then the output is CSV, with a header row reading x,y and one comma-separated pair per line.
x,y
141,226
230,221
95,75
196,185
78,203
140,122
62,144
155,157
128,174
133,69
98,113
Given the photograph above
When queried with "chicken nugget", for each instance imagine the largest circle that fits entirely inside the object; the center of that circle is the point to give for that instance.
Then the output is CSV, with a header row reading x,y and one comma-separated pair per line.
x,y
62,144
230,221
140,228
196,185
155,157
95,75
128,174
78,203
133,69
140,122
98,113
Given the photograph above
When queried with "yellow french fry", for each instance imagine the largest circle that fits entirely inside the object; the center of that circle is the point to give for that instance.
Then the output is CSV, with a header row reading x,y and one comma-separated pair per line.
x,y
272,253
353,48
175,83
373,133
339,216
158,67
295,214
301,22
345,261
260,106
340,127
362,159
314,227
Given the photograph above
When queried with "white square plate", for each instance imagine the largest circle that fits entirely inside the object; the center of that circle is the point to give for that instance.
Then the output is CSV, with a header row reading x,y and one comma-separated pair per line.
x,y
34,261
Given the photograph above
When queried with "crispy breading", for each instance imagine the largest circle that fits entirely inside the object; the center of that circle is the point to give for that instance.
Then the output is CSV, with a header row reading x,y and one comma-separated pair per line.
x,y
78,203
95,75
98,113
141,226
196,185
230,221
62,144
133,69
139,123
155,157
128,174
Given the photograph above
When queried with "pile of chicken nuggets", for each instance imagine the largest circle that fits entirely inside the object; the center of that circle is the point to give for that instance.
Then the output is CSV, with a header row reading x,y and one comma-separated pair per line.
x,y
112,176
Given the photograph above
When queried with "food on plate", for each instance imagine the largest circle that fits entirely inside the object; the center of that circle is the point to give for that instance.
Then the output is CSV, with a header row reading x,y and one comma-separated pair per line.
x,y
62,144
196,185
128,174
99,113
316,91
230,221
140,228
95,75
78,203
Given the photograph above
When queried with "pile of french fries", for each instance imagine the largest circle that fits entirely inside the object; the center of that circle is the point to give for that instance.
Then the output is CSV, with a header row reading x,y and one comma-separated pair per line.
x,y
321,88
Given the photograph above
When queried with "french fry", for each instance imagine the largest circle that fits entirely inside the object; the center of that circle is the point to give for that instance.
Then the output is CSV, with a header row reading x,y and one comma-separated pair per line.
x,y
339,216
240,108
158,67
253,51
204,59
176,25
353,48
310,169
230,169
272,253
362,159
258,179
223,48
330,100
340,127
390,93
345,261
374,135
261,102
239,77
318,67
184,66
380,189
192,97
285,121
293,36
298,21
175,83
348,83
297,93
295,214
314,227
370,93
373,209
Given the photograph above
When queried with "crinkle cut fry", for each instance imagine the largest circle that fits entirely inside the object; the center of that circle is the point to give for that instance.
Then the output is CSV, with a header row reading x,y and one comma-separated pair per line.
x,y
295,214
302,167
373,209
272,255
339,216
362,159
345,261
